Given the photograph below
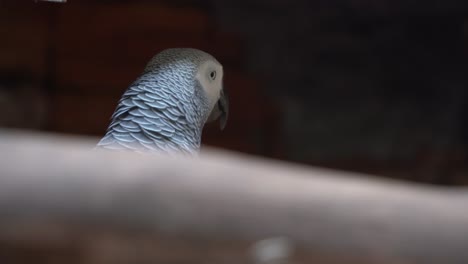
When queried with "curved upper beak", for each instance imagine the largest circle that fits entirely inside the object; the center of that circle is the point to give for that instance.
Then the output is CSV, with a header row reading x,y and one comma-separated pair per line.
x,y
220,110
223,105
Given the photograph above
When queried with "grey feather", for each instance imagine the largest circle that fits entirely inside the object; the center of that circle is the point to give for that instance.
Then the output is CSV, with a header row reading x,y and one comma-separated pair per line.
x,y
141,104
124,137
146,98
127,102
128,125
149,113
158,104
141,137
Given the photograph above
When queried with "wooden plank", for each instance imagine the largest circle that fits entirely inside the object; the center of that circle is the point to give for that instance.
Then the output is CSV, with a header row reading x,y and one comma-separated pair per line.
x,y
107,207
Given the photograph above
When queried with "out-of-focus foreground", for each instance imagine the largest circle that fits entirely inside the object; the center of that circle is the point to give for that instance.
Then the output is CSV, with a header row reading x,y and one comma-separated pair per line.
x,y
74,205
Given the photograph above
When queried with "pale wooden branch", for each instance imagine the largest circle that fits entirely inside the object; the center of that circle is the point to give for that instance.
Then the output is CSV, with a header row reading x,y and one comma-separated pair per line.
x,y
60,200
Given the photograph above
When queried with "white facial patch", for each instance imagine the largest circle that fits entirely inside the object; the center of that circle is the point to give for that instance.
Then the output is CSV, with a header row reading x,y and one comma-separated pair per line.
x,y
210,76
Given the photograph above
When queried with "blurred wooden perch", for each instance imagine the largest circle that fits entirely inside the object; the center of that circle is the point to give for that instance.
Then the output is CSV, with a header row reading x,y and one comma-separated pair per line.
x,y
62,203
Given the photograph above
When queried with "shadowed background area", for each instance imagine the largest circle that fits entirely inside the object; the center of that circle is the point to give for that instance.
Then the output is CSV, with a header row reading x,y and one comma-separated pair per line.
x,y
368,86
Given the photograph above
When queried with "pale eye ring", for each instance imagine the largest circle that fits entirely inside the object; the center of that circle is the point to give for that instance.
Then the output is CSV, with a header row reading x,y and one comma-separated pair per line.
x,y
213,75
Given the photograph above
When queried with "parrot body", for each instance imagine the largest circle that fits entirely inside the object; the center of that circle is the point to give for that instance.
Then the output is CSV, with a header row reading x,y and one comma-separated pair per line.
x,y
165,109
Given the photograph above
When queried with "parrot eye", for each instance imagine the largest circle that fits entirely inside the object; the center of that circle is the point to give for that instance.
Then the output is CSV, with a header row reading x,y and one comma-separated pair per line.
x,y
213,75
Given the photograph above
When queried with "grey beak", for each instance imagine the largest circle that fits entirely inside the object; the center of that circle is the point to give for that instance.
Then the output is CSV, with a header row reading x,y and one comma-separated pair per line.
x,y
220,110
223,105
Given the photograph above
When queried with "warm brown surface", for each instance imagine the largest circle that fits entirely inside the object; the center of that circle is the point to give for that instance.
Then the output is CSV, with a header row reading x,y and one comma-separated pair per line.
x,y
67,202
23,31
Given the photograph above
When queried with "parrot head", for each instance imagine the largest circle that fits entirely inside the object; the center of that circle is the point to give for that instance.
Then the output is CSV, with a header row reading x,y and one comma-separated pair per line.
x,y
220,110
210,77
166,108
204,71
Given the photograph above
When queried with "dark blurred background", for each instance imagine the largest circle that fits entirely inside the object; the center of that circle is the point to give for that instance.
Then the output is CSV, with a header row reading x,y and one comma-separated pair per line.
x,y
370,86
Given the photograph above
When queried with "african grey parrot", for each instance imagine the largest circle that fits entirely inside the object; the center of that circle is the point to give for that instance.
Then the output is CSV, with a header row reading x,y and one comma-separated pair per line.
x,y
165,109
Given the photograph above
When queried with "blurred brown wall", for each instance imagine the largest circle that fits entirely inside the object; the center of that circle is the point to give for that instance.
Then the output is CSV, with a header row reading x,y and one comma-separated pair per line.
x,y
83,56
